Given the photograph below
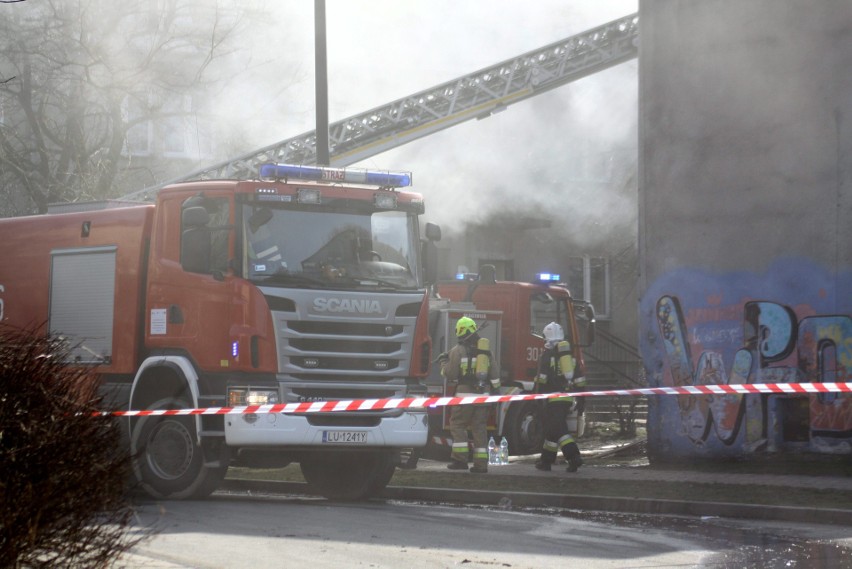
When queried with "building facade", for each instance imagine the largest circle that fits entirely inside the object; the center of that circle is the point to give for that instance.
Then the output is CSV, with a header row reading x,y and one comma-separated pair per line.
x,y
745,250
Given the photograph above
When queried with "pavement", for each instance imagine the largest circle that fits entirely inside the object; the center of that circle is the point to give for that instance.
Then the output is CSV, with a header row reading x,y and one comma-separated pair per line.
x,y
523,467
598,470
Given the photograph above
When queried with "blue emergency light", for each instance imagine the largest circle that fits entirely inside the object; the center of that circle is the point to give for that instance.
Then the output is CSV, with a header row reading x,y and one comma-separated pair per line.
x,y
547,277
467,276
329,174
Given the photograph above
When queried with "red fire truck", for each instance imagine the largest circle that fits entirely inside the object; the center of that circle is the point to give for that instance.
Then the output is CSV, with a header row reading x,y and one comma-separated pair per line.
x,y
512,316
306,284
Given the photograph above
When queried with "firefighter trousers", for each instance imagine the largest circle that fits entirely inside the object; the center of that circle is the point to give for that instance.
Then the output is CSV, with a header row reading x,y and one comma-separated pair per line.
x,y
475,419
556,436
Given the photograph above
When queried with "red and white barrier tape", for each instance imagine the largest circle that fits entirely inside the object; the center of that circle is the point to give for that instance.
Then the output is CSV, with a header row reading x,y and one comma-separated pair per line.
x,y
421,402
442,441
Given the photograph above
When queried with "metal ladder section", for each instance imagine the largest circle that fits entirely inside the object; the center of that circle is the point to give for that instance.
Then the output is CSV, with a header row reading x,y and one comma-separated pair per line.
x,y
476,95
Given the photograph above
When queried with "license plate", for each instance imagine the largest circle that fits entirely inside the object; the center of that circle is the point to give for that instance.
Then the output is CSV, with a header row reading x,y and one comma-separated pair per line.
x,y
344,437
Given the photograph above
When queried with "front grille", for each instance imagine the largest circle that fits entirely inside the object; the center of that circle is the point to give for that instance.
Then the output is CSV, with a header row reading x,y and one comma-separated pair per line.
x,y
303,394
319,345
344,328
344,364
345,346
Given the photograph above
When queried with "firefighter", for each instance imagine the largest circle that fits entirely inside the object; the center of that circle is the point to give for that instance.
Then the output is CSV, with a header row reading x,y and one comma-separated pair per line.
x,y
469,367
556,375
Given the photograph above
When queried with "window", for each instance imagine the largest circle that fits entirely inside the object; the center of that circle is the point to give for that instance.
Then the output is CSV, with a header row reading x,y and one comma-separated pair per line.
x,y
205,232
588,279
346,246
545,309
183,135
137,141
179,135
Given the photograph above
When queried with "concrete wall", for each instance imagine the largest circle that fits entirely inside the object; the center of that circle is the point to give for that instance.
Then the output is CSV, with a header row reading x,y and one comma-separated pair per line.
x,y
745,237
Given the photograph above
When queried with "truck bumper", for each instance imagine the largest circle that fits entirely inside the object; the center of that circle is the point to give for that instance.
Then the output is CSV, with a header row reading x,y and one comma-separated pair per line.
x,y
408,429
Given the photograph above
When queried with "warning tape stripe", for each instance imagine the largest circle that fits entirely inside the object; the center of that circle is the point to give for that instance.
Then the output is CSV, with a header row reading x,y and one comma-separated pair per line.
x,y
421,402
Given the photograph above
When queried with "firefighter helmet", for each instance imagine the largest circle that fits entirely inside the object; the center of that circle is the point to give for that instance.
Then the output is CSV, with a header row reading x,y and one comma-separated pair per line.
x,y
465,327
553,332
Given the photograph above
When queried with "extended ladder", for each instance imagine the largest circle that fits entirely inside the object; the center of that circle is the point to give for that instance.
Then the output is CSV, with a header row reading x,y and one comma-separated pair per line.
x,y
476,95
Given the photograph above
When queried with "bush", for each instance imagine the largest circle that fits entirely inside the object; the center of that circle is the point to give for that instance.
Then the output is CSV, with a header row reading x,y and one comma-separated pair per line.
x,y
63,473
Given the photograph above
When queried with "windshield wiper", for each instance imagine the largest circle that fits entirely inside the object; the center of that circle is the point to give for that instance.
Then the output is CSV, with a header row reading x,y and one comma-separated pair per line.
x,y
291,278
297,279
373,281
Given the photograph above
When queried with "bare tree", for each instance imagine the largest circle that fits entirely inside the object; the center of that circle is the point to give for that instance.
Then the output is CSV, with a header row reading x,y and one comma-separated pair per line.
x,y
76,76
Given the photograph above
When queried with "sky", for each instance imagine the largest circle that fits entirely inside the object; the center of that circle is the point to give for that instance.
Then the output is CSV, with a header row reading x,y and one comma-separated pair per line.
x,y
382,50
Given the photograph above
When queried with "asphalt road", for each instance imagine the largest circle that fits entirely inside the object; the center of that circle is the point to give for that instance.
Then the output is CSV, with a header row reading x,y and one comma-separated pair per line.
x,y
263,531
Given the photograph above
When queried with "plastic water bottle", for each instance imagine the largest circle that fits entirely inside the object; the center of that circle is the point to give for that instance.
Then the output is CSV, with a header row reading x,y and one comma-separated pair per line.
x,y
493,452
504,451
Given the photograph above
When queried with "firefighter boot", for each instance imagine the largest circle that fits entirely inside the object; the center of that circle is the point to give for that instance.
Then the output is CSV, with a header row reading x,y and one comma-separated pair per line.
x,y
574,463
572,457
457,465
541,465
479,469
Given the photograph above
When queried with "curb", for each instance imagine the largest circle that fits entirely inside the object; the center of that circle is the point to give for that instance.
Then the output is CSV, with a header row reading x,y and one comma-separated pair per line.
x,y
574,502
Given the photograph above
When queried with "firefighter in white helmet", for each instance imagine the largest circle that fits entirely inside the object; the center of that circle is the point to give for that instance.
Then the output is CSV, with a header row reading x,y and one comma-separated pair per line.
x,y
556,375
469,366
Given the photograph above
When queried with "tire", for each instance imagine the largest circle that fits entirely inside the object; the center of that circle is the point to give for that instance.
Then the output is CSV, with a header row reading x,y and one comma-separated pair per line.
x,y
348,476
167,461
384,474
524,428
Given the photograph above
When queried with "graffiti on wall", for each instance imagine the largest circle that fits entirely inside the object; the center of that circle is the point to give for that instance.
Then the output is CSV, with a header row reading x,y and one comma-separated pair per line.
x,y
769,344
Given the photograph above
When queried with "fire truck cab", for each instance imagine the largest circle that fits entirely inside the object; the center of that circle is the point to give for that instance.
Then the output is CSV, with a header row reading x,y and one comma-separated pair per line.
x,y
307,284
512,316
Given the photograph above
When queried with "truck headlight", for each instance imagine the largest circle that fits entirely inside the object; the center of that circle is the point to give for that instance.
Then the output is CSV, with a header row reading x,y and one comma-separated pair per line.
x,y
238,396
262,397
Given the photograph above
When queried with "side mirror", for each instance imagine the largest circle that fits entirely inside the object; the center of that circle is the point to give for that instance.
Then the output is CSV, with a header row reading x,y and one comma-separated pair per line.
x,y
433,232
195,240
259,218
584,313
430,262
195,216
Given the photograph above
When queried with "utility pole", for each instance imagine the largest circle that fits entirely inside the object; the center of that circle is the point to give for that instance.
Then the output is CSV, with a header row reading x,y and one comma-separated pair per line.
x,y
321,73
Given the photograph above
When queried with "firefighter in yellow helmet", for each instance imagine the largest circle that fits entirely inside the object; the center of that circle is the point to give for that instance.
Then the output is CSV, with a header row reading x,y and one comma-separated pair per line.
x,y
556,375
469,366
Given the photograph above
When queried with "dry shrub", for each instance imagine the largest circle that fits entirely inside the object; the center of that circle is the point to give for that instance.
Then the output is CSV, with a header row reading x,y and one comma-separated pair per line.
x,y
64,498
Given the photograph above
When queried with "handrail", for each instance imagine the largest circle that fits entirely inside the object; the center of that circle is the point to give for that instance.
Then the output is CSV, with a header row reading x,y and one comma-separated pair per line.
x,y
618,357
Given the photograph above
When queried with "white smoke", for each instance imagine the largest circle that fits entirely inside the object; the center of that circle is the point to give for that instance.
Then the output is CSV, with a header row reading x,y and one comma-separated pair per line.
x,y
525,158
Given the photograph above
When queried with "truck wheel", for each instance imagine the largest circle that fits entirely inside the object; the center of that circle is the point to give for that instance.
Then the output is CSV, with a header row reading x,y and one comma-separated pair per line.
x,y
348,476
524,428
167,460
384,473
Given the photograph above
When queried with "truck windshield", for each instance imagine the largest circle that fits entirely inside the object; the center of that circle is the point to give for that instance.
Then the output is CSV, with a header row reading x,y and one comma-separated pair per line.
x,y
343,249
544,309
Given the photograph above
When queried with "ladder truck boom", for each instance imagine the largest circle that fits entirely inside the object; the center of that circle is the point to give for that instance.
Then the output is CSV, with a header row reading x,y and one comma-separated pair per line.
x,y
473,96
